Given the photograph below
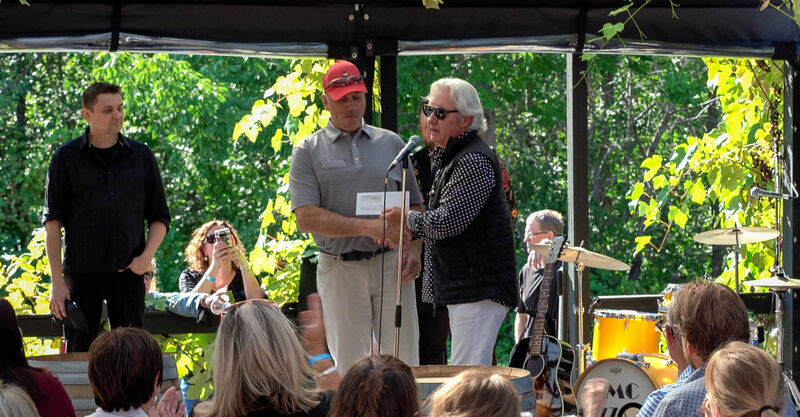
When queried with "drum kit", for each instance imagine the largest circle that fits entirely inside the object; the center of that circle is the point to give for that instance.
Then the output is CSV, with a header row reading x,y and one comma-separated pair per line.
x,y
625,343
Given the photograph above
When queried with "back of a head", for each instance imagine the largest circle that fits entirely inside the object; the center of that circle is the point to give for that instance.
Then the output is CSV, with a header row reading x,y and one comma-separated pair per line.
x,y
123,366
742,379
12,351
380,385
708,315
258,357
475,393
15,402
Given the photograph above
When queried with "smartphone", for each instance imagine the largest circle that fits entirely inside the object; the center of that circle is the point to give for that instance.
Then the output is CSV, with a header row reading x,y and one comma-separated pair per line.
x,y
223,235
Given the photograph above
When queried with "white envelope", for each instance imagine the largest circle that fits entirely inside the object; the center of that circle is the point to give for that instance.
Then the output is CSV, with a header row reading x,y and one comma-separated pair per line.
x,y
371,204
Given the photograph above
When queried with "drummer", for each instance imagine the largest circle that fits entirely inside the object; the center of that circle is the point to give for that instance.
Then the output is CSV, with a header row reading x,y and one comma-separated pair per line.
x,y
541,225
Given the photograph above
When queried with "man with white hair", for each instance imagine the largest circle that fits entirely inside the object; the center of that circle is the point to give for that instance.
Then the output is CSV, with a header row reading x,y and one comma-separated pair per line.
x,y
469,242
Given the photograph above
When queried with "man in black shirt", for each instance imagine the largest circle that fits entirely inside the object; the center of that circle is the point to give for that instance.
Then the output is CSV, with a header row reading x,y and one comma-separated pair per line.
x,y
541,225
101,188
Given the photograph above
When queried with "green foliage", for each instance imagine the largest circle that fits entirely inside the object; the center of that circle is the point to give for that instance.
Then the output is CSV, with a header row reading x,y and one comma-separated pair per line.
x,y
293,99
21,284
719,167
193,356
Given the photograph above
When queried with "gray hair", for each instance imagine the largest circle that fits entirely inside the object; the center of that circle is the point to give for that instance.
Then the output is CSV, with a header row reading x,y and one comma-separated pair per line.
x,y
549,220
465,98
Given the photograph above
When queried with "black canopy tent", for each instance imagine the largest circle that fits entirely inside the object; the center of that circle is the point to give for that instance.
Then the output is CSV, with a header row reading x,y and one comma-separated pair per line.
x,y
363,31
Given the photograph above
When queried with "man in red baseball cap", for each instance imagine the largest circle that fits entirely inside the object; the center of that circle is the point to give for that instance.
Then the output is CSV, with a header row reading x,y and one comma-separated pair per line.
x,y
328,170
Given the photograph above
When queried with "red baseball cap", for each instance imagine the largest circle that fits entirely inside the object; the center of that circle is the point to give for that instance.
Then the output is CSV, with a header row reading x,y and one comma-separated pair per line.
x,y
342,78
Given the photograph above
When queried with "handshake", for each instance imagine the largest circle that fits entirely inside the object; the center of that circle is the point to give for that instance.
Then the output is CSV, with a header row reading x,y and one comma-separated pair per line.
x,y
389,229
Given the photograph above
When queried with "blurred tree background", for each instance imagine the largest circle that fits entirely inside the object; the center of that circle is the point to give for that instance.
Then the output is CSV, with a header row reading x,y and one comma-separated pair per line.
x,y
222,129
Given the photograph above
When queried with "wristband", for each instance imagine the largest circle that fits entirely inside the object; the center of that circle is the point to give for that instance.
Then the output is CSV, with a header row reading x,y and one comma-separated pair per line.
x,y
209,277
328,371
316,358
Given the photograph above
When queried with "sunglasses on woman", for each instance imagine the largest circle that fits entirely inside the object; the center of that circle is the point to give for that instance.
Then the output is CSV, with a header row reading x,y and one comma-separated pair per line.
x,y
440,113
345,81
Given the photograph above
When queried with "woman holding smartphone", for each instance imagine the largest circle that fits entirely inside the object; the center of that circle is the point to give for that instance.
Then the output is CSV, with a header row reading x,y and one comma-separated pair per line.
x,y
217,264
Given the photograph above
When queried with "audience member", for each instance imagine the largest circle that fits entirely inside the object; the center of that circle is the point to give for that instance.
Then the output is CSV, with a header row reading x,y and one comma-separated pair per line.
x,y
125,372
475,393
706,315
379,385
215,267
260,368
185,304
218,266
46,391
15,402
676,352
743,380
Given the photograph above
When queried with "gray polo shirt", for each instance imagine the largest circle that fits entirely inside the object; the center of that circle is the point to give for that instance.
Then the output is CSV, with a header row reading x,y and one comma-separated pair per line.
x,y
330,167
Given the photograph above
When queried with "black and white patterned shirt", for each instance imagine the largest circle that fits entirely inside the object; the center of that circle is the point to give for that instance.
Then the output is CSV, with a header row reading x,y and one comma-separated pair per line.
x,y
463,197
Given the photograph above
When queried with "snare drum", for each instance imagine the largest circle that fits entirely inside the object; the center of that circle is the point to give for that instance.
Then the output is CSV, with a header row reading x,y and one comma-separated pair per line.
x,y
630,382
617,331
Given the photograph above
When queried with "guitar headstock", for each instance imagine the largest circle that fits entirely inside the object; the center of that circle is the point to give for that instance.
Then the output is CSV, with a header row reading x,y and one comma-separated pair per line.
x,y
556,246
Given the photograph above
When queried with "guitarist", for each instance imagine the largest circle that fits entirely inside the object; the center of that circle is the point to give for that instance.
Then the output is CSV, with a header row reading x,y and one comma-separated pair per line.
x,y
541,225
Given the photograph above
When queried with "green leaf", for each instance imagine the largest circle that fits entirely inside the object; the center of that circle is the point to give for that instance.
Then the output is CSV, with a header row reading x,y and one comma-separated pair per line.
x,y
637,191
659,181
698,192
678,216
620,10
641,242
277,140
652,164
609,30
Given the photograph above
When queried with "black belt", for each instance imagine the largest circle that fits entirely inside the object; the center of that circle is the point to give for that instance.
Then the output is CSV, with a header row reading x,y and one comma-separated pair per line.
x,y
358,255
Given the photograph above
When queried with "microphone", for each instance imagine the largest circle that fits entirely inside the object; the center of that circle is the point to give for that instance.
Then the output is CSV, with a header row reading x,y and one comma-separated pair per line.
x,y
413,142
756,192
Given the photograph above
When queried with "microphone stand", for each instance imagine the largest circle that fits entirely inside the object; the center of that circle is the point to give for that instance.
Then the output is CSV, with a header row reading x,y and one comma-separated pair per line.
x,y
398,320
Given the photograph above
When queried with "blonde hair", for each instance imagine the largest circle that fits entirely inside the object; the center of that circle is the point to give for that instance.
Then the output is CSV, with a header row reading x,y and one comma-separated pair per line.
x,y
475,393
258,358
195,257
15,402
742,379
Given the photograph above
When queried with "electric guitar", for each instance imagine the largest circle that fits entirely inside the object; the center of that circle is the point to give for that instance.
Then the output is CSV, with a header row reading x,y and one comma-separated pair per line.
x,y
549,360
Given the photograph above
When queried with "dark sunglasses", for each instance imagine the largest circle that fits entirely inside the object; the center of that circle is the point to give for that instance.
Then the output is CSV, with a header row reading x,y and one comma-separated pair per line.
x,y
235,305
211,238
440,113
345,81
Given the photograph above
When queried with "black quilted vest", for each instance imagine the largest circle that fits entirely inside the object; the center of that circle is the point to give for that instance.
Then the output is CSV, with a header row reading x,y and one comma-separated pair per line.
x,y
480,263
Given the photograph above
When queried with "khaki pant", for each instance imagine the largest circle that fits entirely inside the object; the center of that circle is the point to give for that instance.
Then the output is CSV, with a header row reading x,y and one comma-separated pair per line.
x,y
351,299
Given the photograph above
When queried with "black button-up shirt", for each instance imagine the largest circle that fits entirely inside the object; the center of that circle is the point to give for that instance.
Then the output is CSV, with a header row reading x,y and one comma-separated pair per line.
x,y
103,206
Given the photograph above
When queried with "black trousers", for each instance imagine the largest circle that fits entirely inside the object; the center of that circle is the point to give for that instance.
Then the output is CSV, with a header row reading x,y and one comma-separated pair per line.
x,y
434,327
124,296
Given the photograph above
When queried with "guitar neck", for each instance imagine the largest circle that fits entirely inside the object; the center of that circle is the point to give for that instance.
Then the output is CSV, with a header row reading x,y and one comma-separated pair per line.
x,y
543,305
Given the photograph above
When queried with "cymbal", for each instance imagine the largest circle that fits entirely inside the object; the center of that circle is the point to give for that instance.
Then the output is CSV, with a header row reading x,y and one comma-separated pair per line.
x,y
779,282
727,237
586,257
